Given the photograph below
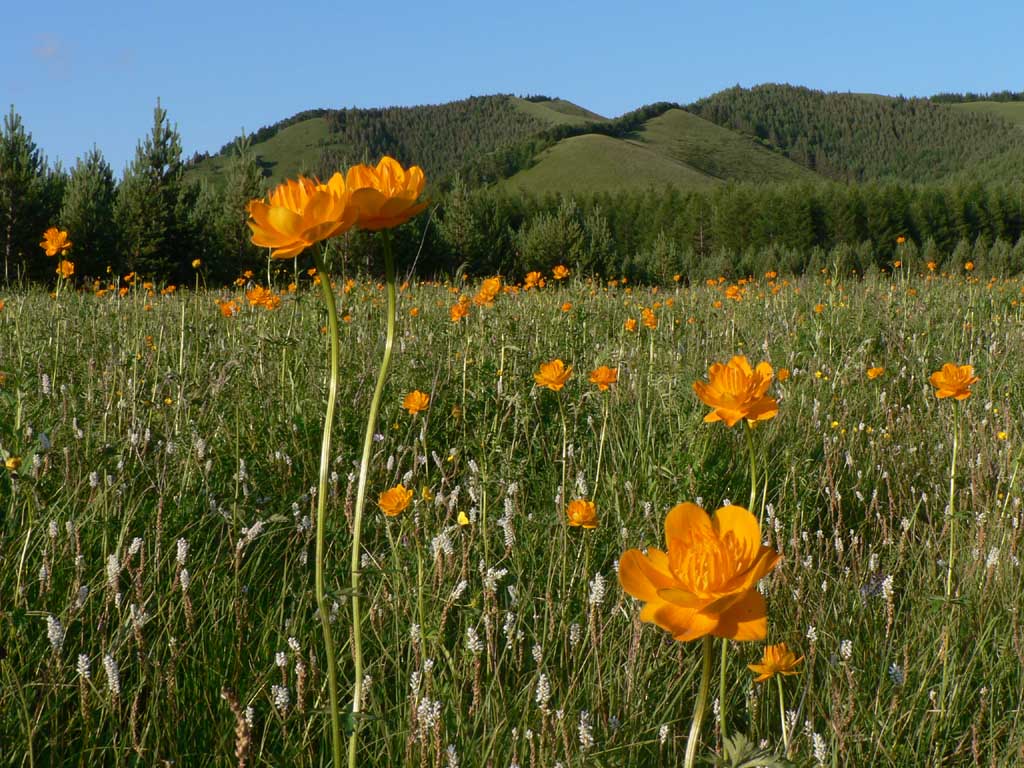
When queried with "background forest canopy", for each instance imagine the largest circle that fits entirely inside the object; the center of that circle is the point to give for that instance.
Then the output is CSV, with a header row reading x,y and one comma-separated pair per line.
x,y
774,177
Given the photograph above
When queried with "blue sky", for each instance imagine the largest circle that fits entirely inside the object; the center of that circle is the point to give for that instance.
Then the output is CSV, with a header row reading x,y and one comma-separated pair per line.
x,y
90,73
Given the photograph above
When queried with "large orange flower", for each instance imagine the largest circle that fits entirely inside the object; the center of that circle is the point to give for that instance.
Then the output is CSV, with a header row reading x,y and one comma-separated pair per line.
x,y
55,242
553,375
394,500
301,212
735,391
705,583
385,196
953,381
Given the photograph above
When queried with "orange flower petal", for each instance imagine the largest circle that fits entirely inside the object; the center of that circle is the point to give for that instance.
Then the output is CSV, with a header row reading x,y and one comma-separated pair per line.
x,y
642,577
746,619
740,532
682,518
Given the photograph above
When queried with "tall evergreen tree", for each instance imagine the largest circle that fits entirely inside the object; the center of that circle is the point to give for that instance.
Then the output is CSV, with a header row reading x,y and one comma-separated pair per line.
x,y
243,181
24,202
88,214
153,225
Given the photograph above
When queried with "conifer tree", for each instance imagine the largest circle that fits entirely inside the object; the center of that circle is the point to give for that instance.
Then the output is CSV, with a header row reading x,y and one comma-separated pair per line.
x,y
243,181
88,214
150,214
24,204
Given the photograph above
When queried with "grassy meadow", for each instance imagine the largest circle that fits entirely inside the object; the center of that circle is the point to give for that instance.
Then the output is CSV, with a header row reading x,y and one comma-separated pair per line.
x,y
156,542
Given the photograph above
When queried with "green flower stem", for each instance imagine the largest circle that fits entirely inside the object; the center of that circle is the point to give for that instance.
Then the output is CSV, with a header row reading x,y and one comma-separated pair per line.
x,y
782,716
321,509
952,541
698,708
600,443
753,467
357,525
721,687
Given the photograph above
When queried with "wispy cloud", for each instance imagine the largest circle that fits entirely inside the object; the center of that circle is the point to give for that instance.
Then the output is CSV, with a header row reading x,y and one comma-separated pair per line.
x,y
53,54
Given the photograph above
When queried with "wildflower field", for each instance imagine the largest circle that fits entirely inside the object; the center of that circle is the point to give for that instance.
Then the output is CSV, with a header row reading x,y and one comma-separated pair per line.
x,y
158,524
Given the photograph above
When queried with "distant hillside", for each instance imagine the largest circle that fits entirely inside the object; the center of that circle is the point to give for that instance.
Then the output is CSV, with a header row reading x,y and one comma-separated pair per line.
x,y
1012,111
673,148
441,139
855,137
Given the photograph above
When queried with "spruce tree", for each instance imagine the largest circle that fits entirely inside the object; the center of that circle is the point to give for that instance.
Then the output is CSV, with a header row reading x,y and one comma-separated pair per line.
x,y
151,218
24,204
88,214
243,181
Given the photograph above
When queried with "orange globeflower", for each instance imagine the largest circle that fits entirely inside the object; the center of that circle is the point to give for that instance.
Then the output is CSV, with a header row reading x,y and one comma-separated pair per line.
x,y
581,513
631,324
532,280
874,373
553,375
969,266
300,212
650,319
604,377
385,196
782,374
65,269
777,660
259,296
55,242
393,501
899,241
560,272
415,402
488,291
706,582
953,381
227,308
460,310
735,392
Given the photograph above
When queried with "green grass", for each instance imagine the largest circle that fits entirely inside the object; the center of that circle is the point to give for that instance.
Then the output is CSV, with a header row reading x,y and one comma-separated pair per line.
x,y
558,112
175,423
676,148
1012,111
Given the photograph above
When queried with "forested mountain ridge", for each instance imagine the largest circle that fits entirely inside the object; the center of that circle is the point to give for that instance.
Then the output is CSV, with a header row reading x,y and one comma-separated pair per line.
x,y
861,137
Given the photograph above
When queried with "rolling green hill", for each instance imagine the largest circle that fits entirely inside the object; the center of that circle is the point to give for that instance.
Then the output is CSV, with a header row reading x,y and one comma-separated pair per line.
x,y
1012,111
854,137
675,148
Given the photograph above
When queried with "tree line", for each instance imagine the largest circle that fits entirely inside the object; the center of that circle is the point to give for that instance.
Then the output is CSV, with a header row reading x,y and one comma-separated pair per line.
x,y
155,222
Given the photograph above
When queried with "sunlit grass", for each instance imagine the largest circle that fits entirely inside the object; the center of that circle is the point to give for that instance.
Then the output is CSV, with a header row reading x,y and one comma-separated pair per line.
x,y
140,428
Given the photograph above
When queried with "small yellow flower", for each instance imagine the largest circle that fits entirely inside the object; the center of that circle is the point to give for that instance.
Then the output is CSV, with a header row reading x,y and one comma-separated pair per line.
x,y
55,242
604,377
777,660
1002,435
953,381
197,263
415,402
553,375
463,518
12,463
393,501
581,513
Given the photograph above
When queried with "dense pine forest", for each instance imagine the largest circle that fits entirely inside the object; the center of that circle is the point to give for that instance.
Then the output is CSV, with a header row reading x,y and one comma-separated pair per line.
x,y
946,174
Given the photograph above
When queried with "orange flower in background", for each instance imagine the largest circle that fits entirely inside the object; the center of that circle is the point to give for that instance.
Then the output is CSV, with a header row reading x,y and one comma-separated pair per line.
x,y
819,308
649,318
874,373
604,377
553,375
560,272
734,292
12,463
581,513
782,374
197,263
631,324
460,310
416,401
776,660
393,501
385,195
953,381
259,296
706,582
734,391
228,308
567,306
489,289
300,212
65,269
969,266
55,242
932,266
532,280
901,240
